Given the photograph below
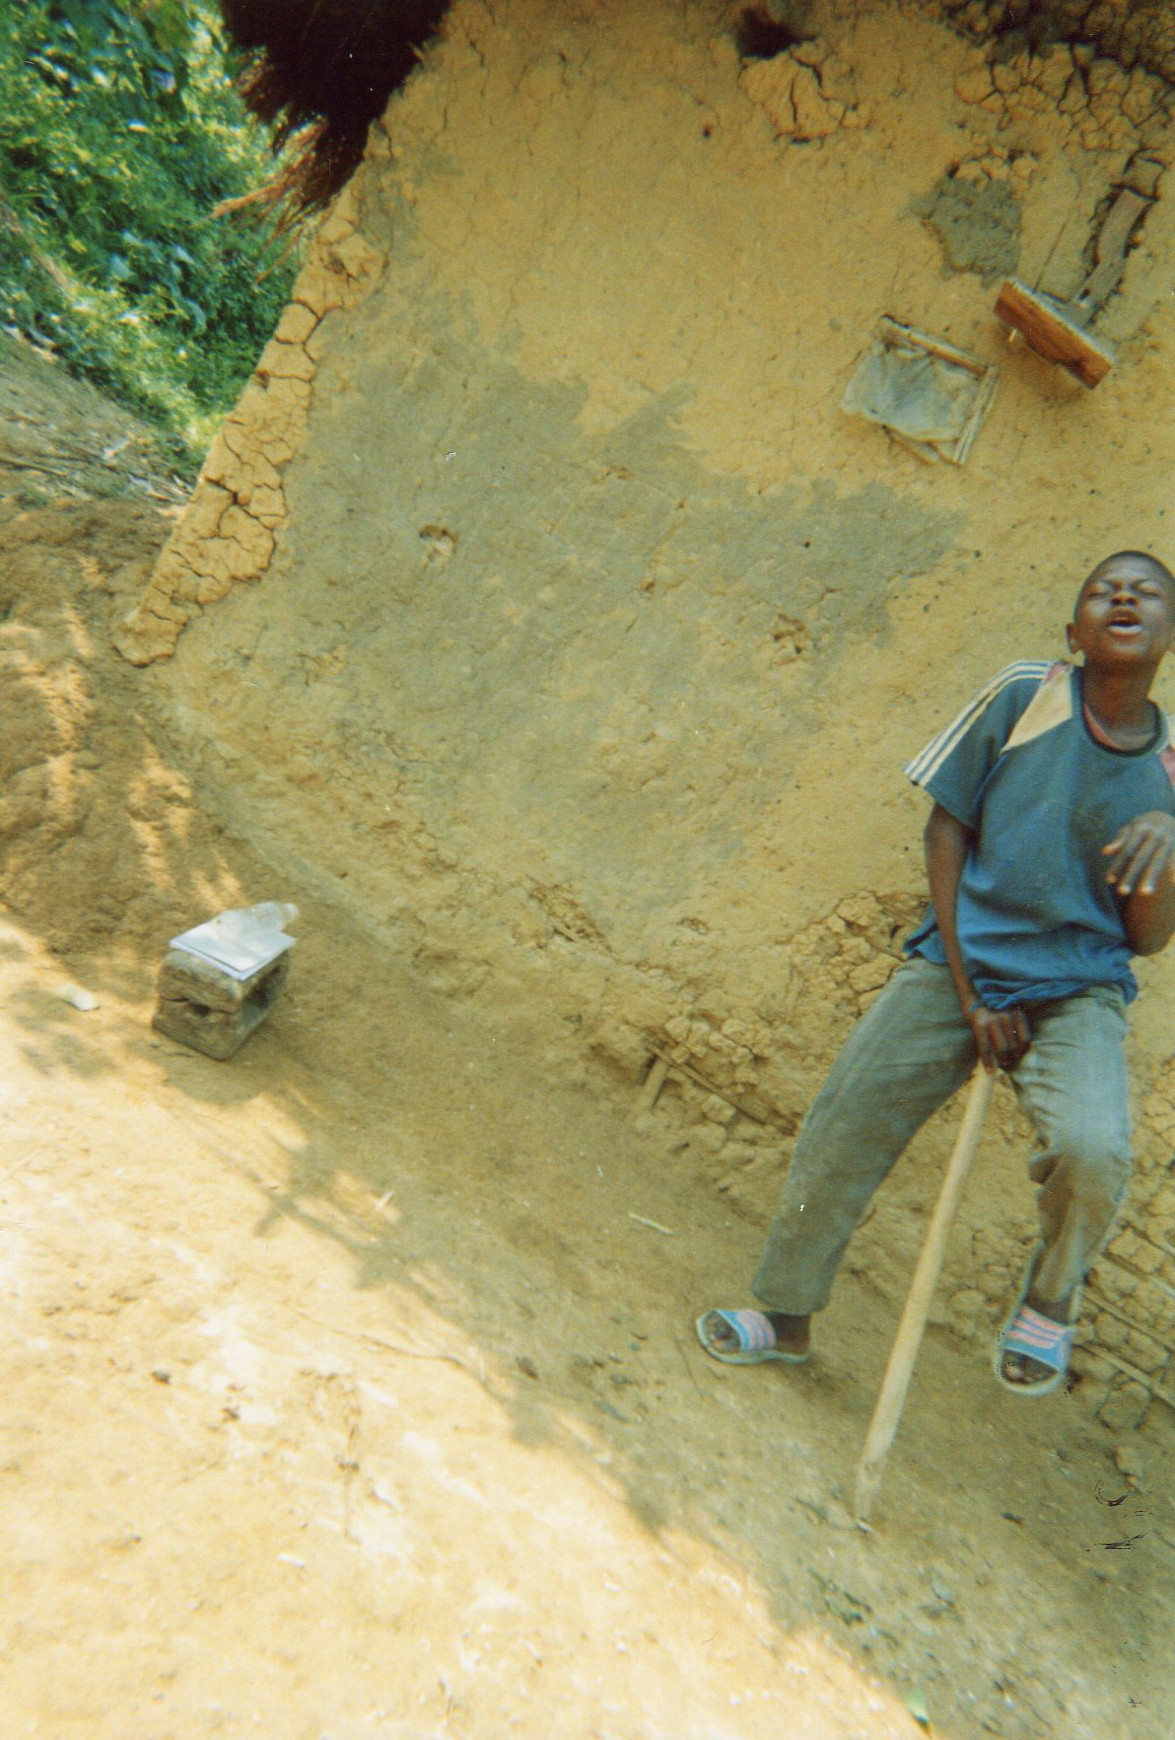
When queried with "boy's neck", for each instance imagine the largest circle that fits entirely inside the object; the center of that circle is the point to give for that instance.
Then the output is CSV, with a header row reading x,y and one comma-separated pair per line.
x,y
1119,699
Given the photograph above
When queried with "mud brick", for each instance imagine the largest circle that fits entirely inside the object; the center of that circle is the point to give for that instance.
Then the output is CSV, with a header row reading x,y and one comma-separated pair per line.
x,y
1091,1365
1128,1247
1109,1331
209,1010
1145,1351
1160,1219
1125,1407
1156,1307
1115,1282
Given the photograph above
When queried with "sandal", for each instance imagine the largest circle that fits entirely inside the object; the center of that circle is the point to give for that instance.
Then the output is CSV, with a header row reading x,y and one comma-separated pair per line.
x,y
755,1336
1032,1335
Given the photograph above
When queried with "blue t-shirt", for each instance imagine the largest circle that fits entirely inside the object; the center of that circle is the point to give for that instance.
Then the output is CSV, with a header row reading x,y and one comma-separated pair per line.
x,y
1042,795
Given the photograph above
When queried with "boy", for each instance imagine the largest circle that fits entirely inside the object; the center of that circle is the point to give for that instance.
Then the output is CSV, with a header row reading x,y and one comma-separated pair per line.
x,y
1050,854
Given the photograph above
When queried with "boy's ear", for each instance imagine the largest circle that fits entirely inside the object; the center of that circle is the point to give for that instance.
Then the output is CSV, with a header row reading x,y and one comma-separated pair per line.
x,y
1071,637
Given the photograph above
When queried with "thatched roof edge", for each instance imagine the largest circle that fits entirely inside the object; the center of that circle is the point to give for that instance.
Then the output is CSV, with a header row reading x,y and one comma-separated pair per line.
x,y
319,72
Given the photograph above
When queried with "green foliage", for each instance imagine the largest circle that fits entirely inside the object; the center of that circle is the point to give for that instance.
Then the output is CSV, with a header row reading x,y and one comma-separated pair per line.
x,y
122,132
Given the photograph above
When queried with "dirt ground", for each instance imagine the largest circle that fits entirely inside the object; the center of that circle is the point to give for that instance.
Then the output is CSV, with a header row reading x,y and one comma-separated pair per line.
x,y
350,1388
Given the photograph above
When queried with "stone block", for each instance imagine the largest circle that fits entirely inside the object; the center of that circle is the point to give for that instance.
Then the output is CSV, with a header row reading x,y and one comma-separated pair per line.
x,y
209,1010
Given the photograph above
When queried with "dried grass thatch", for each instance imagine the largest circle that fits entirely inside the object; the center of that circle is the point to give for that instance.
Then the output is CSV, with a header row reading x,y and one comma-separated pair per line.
x,y
319,72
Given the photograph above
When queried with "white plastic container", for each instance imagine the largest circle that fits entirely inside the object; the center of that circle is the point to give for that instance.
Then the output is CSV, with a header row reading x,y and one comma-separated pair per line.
x,y
242,941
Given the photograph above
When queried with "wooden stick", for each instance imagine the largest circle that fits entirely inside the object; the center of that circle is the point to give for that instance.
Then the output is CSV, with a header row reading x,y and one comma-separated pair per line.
x,y
696,1076
1157,1390
908,1340
654,1082
1150,1237
1110,249
893,331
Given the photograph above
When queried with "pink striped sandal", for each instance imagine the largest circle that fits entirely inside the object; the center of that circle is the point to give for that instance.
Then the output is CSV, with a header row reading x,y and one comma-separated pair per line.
x,y
754,1335
1032,1335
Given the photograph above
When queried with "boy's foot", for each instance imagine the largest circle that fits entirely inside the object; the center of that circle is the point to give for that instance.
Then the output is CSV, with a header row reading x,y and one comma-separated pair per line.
x,y
1033,1349
752,1337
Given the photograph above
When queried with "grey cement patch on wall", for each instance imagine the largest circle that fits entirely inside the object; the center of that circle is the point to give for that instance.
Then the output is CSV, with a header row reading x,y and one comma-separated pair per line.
x,y
977,224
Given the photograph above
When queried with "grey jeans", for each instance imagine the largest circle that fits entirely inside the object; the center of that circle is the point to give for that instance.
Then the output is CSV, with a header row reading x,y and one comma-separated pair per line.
x,y
904,1058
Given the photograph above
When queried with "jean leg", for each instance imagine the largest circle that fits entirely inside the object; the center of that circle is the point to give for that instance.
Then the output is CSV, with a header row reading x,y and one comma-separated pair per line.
x,y
905,1057
1073,1084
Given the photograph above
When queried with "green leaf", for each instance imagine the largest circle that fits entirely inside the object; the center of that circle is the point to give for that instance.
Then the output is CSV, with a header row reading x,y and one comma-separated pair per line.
x,y
158,302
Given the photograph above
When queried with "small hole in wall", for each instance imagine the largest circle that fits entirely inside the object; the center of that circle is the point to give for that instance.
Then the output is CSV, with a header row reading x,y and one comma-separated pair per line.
x,y
761,37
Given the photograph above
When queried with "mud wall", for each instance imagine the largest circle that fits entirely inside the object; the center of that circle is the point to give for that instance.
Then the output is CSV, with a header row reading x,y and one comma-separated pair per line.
x,y
1132,32
567,629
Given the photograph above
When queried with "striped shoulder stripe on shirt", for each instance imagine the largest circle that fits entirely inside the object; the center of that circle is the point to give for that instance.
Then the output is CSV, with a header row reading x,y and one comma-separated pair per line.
x,y
1052,705
927,764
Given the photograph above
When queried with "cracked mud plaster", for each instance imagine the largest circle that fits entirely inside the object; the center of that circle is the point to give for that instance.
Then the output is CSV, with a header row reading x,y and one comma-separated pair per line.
x,y
1095,104
808,92
227,534
1131,32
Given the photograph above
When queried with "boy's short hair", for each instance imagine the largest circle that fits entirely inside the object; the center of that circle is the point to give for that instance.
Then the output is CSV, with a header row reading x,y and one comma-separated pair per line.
x,y
1157,568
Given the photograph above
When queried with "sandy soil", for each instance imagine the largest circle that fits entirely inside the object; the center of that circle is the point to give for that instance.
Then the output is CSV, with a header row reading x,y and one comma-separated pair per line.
x,y
350,1390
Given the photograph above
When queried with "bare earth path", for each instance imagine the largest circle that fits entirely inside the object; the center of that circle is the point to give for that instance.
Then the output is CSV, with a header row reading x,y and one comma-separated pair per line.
x,y
343,1396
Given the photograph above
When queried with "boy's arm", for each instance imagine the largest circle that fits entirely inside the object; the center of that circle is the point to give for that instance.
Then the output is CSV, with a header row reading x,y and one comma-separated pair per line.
x,y
1142,862
1002,1035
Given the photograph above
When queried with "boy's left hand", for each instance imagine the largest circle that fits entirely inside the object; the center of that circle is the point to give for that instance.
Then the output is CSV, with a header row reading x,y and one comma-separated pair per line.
x,y
1140,852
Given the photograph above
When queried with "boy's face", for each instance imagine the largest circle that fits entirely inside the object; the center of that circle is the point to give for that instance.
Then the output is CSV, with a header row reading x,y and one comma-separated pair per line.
x,y
1124,617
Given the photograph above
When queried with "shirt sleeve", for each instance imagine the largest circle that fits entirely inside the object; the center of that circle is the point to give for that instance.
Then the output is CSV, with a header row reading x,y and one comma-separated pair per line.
x,y
954,766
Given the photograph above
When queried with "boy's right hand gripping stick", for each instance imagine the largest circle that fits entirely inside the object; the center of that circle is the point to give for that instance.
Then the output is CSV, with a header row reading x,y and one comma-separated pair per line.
x,y
900,1369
